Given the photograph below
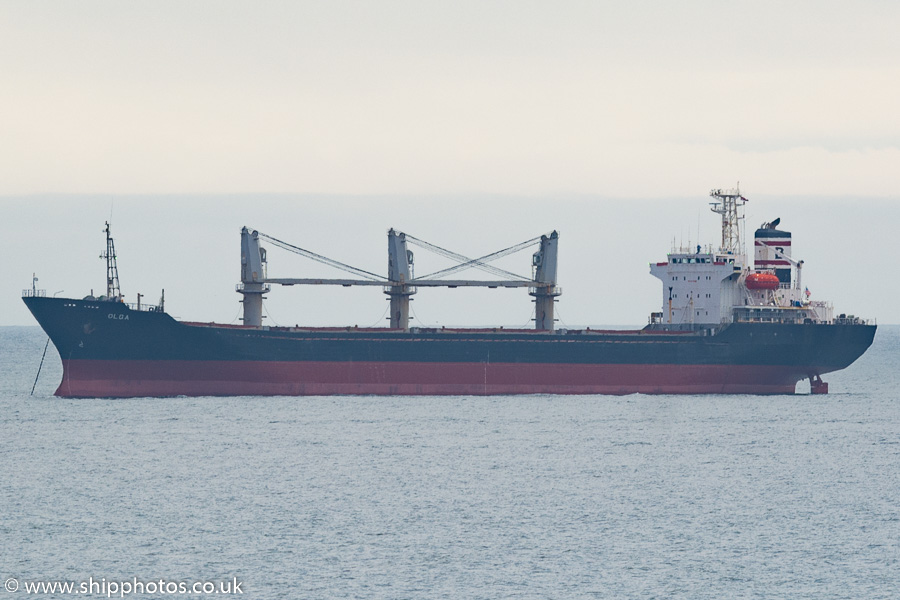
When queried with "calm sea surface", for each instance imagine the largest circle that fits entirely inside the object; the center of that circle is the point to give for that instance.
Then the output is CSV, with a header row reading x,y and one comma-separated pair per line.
x,y
459,497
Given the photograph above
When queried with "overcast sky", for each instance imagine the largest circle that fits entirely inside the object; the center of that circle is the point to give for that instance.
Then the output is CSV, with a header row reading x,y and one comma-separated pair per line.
x,y
476,123
636,99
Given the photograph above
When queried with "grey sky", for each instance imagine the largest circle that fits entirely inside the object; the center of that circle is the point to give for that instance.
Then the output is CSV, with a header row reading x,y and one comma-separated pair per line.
x,y
470,124
637,99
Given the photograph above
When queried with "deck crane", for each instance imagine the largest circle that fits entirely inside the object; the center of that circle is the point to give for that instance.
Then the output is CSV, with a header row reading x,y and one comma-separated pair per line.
x,y
400,282
797,263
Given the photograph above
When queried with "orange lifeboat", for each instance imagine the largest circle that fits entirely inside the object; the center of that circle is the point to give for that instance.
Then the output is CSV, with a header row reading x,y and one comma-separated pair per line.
x,y
762,281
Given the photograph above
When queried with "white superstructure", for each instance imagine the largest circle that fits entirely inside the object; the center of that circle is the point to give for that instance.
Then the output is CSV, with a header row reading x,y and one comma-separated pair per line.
x,y
705,287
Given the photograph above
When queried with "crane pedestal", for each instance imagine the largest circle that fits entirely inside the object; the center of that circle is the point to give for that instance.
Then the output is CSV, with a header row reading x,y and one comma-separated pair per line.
x,y
253,298
399,297
544,299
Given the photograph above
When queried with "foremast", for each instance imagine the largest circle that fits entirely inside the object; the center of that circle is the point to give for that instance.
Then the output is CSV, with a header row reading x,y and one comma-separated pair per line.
x,y
113,291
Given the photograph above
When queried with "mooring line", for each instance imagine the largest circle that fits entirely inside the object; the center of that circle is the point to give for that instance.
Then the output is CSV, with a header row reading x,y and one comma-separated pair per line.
x,y
47,345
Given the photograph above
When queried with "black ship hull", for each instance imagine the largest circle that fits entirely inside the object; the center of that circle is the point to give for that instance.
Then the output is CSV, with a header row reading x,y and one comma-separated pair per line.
x,y
110,350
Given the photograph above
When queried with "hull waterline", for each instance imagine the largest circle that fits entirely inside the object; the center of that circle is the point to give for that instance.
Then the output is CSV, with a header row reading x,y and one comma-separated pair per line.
x,y
109,350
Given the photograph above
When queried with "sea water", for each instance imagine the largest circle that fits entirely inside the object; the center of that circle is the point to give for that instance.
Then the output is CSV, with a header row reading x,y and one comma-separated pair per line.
x,y
455,497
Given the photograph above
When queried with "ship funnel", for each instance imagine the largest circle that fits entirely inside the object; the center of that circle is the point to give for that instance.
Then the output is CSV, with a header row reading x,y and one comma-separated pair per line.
x,y
772,251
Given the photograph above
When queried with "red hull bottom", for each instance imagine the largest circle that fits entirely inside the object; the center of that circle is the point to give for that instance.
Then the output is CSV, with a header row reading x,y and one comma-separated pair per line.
x,y
107,379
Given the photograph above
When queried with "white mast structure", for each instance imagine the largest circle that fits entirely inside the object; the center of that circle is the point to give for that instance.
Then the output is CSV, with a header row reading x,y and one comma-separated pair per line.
x,y
727,204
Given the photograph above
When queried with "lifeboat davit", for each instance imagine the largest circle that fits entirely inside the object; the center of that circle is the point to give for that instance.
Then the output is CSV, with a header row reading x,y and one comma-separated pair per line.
x,y
762,281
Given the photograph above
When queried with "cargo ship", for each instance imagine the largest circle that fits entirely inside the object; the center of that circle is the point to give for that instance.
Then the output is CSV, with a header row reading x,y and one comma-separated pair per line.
x,y
725,326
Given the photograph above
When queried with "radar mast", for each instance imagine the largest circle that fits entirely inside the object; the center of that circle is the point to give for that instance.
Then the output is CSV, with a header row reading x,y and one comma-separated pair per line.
x,y
728,204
